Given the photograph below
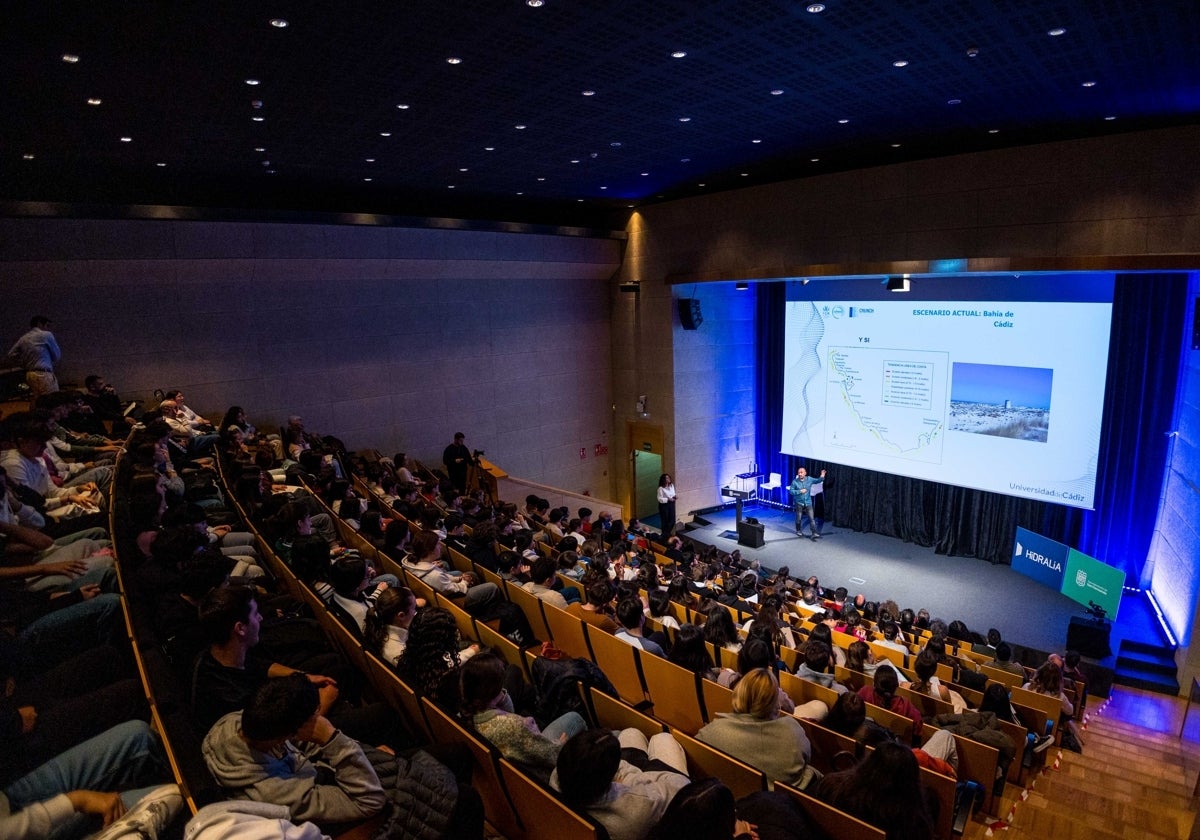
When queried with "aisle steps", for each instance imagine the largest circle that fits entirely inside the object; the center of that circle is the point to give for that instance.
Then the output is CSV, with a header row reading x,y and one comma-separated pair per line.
x,y
1130,783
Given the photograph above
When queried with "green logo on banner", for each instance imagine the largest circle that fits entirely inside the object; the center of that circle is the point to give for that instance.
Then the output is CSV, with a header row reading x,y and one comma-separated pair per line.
x,y
1087,580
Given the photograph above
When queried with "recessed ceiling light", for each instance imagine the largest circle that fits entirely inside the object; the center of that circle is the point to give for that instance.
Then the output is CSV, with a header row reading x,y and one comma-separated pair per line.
x,y
126,139
450,186
260,148
70,58
369,160
541,179
1110,119
685,160
93,101
160,164
366,179
453,60
843,122
953,101
256,103
604,188
899,62
575,161
745,174
258,119
463,169
644,174
616,144
678,54
685,119
814,160
385,134
535,4
270,171
279,23
628,205
895,145
588,93
755,141
1089,83
815,8
972,52
777,92
252,82
993,131
266,163
520,193
402,107
489,148
579,199
26,156
1056,31
519,127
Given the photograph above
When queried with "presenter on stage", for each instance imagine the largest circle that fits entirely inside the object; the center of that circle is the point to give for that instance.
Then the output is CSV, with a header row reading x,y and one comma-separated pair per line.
x,y
802,497
666,505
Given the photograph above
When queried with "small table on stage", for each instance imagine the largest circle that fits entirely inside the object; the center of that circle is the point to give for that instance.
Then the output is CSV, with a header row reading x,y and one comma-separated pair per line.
x,y
752,492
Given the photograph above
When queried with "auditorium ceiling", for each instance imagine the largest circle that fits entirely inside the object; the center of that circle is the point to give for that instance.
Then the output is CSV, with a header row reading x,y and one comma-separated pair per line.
x,y
552,111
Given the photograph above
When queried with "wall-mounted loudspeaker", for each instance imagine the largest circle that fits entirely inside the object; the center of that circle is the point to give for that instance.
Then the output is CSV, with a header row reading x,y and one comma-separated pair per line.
x,y
689,313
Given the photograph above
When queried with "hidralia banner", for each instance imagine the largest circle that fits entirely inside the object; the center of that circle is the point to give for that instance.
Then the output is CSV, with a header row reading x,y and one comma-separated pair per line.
x,y
1073,573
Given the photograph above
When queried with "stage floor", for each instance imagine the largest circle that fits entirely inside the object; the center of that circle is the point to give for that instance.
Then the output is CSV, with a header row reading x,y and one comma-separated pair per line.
x,y
978,593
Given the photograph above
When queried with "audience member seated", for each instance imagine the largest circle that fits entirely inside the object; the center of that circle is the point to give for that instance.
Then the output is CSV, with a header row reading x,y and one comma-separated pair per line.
x,y
882,693
433,655
595,774
756,733
632,618
542,575
598,610
388,621
282,749
884,789
818,666
227,672
74,794
720,629
487,707
1003,655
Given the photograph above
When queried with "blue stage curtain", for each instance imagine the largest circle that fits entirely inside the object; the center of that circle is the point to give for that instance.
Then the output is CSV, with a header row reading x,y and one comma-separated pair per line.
x,y
1143,370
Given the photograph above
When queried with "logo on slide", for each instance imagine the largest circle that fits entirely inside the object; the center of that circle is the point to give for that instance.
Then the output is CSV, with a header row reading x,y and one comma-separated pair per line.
x,y
1081,578
1042,559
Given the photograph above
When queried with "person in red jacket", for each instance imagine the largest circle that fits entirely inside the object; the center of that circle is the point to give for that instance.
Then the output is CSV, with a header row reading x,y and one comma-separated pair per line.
x,y
883,694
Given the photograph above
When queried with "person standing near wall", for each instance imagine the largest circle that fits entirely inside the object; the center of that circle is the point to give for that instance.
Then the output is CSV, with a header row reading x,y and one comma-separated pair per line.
x,y
666,504
456,458
37,351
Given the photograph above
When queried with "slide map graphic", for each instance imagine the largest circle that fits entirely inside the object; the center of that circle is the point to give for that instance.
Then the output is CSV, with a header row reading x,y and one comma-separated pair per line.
x,y
887,401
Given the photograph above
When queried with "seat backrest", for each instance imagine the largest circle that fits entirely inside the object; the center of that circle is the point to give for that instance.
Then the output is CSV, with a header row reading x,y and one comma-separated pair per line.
x,y
399,695
543,815
717,698
619,662
531,605
613,713
485,775
706,761
674,692
833,822
567,632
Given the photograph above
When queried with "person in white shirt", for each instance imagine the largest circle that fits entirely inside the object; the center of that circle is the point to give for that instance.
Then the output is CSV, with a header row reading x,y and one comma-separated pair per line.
x,y
666,504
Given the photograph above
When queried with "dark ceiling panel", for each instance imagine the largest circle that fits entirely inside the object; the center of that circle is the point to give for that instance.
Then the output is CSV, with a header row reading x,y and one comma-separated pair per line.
x,y
172,77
